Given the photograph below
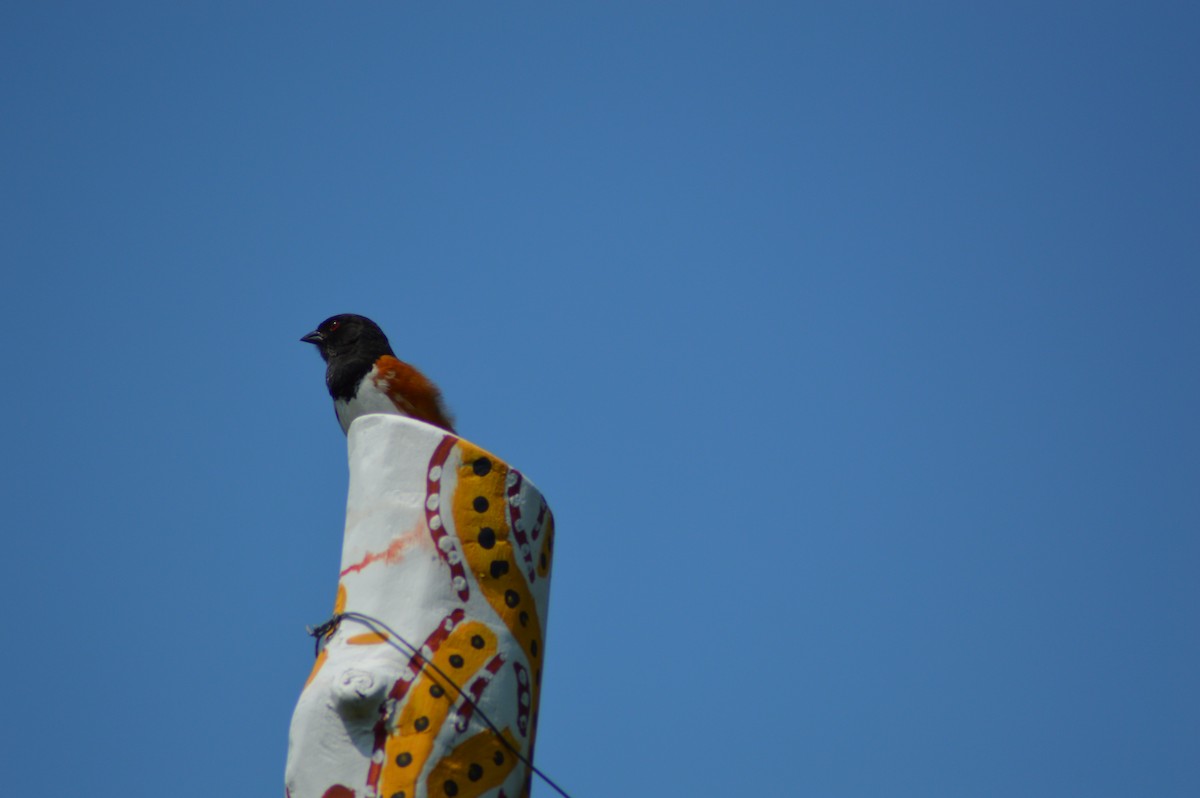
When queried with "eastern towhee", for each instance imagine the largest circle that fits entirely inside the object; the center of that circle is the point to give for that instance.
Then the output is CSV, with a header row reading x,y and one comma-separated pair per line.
x,y
364,376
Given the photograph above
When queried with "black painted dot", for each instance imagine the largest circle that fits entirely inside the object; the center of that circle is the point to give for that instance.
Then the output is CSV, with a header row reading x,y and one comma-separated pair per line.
x,y
477,641
482,466
450,787
422,723
511,598
436,691
537,676
542,561
480,504
498,757
401,794
523,618
499,568
487,537
404,760
474,772
456,661
533,647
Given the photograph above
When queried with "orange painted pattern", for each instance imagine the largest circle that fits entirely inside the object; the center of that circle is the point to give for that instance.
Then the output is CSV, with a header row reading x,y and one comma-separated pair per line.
x,y
477,765
428,706
367,639
482,527
316,668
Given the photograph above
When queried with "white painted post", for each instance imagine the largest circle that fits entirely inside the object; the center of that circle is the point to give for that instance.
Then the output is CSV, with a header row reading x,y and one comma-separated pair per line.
x,y
448,549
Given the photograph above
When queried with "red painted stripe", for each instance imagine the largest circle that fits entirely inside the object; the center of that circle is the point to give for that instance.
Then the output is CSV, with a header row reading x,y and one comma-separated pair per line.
x,y
466,710
435,519
514,523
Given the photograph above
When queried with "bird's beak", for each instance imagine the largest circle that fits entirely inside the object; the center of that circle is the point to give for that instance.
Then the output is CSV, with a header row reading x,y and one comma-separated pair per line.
x,y
314,337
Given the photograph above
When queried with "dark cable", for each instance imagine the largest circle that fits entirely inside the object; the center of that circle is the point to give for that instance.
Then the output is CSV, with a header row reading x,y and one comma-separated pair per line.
x,y
323,631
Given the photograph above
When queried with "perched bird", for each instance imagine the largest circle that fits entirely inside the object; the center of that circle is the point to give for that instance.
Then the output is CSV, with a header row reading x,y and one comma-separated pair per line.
x,y
364,375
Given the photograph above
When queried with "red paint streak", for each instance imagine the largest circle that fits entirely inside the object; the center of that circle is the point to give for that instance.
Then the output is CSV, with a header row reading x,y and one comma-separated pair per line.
x,y
391,554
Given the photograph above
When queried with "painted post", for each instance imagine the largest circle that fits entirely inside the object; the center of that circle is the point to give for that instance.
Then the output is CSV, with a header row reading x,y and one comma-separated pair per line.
x,y
447,549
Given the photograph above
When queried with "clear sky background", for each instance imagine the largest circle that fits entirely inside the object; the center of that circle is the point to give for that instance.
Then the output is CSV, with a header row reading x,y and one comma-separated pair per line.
x,y
855,346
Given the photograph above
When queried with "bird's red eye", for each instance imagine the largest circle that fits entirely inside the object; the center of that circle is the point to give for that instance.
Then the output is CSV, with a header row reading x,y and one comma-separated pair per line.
x,y
333,325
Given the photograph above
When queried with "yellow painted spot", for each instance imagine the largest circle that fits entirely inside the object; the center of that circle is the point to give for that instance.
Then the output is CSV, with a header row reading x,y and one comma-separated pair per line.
x,y
476,766
427,708
367,639
339,604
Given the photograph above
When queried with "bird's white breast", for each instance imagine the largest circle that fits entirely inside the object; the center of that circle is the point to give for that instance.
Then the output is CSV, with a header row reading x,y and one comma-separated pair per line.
x,y
368,399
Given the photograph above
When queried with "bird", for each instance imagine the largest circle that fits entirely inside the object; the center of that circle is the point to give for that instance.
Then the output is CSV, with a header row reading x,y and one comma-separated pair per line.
x,y
364,375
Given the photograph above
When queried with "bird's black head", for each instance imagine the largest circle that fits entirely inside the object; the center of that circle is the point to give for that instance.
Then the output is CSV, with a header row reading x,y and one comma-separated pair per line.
x,y
349,335
350,344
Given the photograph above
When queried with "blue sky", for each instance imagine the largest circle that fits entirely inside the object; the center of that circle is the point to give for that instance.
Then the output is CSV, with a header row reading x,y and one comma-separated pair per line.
x,y
854,346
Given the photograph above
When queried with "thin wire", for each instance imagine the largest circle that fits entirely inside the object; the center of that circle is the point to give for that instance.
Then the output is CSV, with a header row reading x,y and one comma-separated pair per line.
x,y
322,631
